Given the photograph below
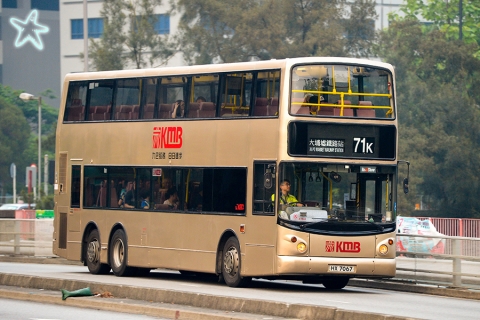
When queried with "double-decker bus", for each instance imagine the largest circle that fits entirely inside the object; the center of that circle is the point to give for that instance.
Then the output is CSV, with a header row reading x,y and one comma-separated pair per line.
x,y
280,169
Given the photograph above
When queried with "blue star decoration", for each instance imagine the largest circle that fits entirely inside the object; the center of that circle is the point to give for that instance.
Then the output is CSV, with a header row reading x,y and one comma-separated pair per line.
x,y
29,30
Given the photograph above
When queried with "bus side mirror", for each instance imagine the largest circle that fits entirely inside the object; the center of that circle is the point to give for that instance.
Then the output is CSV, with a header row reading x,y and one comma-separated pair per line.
x,y
405,185
267,180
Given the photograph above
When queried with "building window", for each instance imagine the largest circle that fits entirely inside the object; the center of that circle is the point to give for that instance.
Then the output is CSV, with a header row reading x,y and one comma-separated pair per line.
x,y
162,26
77,29
51,5
95,28
11,4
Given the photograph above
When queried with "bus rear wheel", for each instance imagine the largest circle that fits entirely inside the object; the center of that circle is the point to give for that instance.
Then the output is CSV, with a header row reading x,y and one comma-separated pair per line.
x,y
93,254
119,255
335,283
231,263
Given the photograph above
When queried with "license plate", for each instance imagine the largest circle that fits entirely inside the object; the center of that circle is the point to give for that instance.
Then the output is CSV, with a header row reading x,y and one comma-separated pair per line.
x,y
341,269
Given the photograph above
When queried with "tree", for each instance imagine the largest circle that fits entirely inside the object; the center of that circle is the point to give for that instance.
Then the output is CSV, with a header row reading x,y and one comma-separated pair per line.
x,y
18,133
215,31
439,115
445,16
118,49
14,134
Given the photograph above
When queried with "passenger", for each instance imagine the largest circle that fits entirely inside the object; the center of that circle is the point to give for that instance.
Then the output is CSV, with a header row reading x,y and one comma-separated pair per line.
x,y
196,197
314,100
201,99
123,191
172,198
179,109
130,196
285,197
146,200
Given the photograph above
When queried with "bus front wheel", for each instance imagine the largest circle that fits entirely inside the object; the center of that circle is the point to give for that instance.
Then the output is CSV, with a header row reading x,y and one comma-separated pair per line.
x,y
335,283
118,255
93,254
231,264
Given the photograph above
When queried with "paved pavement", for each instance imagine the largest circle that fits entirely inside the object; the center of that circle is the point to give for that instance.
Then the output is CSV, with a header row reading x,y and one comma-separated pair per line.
x,y
185,305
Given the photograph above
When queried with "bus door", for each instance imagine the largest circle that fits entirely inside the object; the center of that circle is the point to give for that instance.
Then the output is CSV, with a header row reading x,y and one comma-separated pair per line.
x,y
374,196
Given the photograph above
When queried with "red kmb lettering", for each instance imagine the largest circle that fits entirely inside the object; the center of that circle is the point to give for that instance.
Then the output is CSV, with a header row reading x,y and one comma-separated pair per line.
x,y
348,246
167,137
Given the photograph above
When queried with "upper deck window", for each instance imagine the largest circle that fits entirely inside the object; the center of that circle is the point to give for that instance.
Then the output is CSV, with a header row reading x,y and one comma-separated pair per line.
x,y
341,91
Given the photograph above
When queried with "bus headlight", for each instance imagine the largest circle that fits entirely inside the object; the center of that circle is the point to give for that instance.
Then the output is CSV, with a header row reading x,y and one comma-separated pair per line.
x,y
383,249
301,247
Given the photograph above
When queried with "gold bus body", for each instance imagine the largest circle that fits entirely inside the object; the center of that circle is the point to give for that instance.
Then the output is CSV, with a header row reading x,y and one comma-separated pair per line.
x,y
191,241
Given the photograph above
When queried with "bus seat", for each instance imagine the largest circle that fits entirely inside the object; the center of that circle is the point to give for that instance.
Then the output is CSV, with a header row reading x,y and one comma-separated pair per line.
x,y
273,109
75,113
135,112
123,112
164,111
193,109
113,197
346,102
148,110
76,102
207,110
326,111
365,113
99,113
162,206
297,108
102,196
261,107
347,112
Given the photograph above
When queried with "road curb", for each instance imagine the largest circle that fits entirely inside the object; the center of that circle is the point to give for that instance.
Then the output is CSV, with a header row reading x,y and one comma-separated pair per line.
x,y
180,299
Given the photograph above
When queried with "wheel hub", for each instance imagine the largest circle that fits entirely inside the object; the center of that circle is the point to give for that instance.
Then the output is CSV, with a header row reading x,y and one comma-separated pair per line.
x,y
93,252
119,252
230,261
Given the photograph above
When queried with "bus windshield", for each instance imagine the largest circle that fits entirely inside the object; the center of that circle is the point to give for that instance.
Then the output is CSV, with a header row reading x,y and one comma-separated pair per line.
x,y
350,193
341,91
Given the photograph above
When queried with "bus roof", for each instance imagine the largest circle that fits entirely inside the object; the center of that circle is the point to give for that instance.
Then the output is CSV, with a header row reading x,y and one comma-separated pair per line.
x,y
224,67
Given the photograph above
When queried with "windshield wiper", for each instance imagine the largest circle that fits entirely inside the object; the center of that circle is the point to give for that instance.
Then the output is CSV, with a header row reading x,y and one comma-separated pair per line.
x,y
303,226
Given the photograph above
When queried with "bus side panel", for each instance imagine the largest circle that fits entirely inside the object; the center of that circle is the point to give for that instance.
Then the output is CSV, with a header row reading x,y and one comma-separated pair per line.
x,y
260,247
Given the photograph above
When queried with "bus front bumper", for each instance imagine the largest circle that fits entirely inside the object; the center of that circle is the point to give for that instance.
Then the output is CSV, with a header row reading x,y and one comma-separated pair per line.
x,y
363,267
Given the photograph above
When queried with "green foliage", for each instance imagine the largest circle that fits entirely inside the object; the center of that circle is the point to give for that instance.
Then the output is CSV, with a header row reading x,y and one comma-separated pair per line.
x,y
229,31
118,48
19,134
107,54
445,16
46,202
439,115
14,135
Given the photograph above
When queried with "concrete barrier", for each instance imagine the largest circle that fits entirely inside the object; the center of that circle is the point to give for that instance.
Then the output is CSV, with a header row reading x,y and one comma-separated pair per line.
x,y
205,302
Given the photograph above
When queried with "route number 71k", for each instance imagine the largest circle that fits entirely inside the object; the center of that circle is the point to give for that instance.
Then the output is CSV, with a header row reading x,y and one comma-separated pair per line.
x,y
363,145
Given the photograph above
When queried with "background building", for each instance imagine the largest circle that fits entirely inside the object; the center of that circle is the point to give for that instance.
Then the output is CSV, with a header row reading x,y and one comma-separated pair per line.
x,y
71,34
30,64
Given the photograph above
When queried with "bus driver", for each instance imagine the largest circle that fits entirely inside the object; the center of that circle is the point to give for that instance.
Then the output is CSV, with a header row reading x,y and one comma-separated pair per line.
x,y
285,197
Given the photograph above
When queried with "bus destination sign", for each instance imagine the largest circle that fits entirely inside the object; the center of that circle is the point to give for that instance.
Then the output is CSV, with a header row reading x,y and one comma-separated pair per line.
x,y
335,140
320,145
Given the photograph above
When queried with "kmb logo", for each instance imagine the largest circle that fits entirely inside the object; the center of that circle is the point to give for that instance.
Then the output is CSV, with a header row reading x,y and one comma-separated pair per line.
x,y
342,246
167,137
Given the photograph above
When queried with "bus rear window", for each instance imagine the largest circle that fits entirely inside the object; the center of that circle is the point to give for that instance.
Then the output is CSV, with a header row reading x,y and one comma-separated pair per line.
x,y
341,91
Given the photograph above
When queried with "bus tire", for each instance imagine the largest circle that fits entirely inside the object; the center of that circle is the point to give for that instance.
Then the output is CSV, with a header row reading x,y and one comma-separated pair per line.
x,y
119,255
335,283
92,254
231,264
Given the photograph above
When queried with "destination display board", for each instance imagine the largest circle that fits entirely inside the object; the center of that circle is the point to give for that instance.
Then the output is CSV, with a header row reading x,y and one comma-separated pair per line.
x,y
342,140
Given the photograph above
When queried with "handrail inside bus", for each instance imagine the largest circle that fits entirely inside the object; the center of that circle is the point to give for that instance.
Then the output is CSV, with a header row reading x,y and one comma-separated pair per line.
x,y
330,193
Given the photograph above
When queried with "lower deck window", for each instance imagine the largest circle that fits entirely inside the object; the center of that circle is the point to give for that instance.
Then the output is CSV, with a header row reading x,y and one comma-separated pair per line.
x,y
221,190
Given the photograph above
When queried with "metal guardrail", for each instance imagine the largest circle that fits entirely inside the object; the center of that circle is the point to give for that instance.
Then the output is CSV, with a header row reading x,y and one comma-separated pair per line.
x,y
26,237
451,268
